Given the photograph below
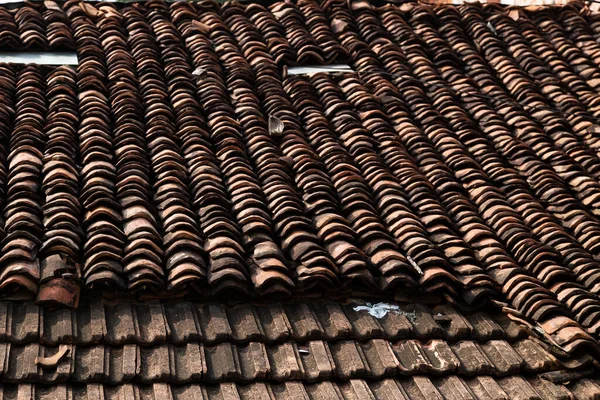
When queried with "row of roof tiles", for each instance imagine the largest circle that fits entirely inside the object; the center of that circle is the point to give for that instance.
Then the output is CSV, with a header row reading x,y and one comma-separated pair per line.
x,y
461,158
212,323
35,26
418,388
311,361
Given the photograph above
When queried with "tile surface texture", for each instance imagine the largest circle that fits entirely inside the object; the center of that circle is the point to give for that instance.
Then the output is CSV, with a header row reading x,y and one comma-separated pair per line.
x,y
454,171
312,349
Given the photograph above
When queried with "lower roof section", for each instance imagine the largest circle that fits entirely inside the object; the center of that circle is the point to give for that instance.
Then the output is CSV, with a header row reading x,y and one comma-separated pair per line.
x,y
416,387
306,349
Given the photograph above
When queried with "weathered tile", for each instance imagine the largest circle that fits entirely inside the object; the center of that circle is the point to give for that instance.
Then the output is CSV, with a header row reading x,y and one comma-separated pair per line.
x,y
274,322
535,358
380,357
152,324
285,362
455,325
222,363
91,323
323,391
452,387
356,389
332,319
156,364
420,388
245,325
441,357
350,360
57,326
413,358
388,389
90,364
25,320
124,363
289,390
486,387
254,361
304,323
256,391
517,388
120,324
182,324
21,364
424,326
364,326
213,322
501,354
317,360
473,360
484,327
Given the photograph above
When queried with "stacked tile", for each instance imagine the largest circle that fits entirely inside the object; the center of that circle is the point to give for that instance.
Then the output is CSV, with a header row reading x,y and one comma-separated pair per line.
x,y
227,267
35,26
393,203
548,146
591,20
587,269
295,230
208,191
298,34
579,37
273,33
7,87
355,198
31,27
22,211
316,188
569,116
419,108
321,31
62,237
184,258
348,37
311,343
58,27
551,46
534,215
461,155
7,110
436,221
103,247
143,253
470,177
9,37
552,234
551,272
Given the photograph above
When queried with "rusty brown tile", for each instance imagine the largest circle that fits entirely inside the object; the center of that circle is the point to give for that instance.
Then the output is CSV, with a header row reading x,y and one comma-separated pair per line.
x,y
455,170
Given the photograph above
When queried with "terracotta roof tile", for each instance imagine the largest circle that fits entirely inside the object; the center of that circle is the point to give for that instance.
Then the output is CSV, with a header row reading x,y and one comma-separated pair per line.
x,y
405,388
454,168
418,367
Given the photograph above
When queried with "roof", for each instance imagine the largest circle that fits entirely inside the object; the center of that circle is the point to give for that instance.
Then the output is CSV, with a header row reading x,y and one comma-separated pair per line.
x,y
183,165
315,349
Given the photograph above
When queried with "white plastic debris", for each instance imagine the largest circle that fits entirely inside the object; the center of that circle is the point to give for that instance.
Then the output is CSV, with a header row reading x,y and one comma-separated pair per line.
x,y
199,72
378,310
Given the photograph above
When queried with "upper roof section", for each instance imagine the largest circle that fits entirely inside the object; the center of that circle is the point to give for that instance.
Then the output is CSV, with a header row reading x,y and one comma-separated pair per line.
x,y
458,159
